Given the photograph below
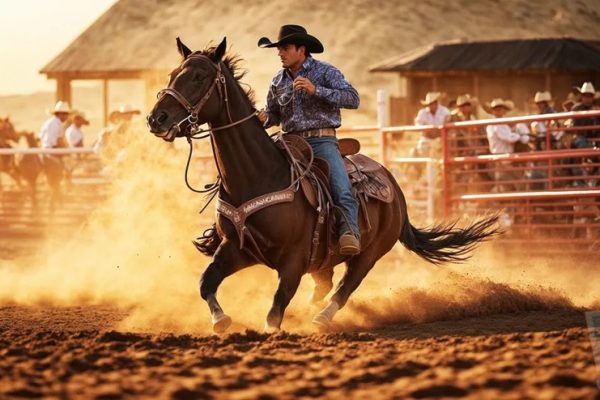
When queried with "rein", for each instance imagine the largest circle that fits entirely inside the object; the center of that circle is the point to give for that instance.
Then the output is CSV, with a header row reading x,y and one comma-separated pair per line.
x,y
195,133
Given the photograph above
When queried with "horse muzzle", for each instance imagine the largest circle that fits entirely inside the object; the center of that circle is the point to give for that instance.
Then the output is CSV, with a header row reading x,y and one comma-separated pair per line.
x,y
170,134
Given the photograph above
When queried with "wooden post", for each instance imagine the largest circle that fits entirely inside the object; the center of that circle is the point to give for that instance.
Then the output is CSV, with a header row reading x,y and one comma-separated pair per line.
x,y
548,82
63,89
434,83
105,101
475,85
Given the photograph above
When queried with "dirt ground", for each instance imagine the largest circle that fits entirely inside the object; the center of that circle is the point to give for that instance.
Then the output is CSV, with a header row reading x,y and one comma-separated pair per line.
x,y
74,352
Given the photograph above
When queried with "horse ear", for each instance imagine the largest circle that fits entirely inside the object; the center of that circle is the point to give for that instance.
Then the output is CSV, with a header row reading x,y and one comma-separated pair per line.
x,y
183,49
219,52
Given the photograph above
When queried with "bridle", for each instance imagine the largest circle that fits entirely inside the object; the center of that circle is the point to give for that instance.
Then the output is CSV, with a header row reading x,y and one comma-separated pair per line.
x,y
194,109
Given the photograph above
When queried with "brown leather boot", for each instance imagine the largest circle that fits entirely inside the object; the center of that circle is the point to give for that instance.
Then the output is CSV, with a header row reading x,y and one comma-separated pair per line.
x,y
349,245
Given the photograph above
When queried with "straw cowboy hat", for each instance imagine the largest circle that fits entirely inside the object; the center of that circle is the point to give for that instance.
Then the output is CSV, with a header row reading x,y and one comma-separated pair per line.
x,y
431,97
542,96
61,107
81,115
502,103
293,34
463,100
586,88
128,109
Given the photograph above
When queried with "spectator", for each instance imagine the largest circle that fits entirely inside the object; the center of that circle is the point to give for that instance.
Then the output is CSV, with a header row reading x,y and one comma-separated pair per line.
x,y
51,132
432,114
583,138
74,134
597,101
473,139
500,136
502,140
112,139
540,128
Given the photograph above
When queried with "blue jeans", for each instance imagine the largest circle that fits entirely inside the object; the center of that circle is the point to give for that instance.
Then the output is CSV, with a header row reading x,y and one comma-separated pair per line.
x,y
341,190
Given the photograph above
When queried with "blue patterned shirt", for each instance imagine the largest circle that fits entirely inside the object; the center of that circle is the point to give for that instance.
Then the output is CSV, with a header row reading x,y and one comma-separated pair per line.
x,y
299,111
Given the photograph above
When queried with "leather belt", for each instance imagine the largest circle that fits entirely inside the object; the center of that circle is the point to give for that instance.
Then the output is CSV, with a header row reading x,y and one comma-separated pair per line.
x,y
315,133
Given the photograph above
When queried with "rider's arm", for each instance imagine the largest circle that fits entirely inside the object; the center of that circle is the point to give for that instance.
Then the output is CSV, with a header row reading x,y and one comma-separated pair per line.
x,y
337,90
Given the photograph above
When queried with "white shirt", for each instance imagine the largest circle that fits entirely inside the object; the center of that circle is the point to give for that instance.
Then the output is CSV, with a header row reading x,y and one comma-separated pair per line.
x,y
424,116
50,131
74,136
502,139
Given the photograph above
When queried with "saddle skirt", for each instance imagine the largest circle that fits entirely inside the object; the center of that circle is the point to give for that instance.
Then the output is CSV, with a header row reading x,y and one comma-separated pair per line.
x,y
369,179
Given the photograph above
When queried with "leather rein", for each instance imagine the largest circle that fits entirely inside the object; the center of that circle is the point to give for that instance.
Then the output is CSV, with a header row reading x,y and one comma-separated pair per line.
x,y
192,118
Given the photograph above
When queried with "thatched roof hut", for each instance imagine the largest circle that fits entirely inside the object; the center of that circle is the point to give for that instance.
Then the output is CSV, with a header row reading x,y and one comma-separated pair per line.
x,y
135,39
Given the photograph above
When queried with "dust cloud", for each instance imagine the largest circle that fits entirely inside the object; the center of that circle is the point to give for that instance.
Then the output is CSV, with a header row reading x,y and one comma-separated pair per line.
x,y
135,253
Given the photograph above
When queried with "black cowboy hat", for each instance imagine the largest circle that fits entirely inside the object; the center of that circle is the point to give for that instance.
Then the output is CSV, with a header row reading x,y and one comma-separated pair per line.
x,y
293,34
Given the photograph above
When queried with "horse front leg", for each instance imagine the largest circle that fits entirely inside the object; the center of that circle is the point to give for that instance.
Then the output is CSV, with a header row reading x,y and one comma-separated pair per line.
x,y
227,260
289,279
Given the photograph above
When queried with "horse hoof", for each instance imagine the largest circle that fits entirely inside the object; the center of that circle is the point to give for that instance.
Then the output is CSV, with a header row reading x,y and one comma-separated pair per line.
x,y
221,323
321,322
271,329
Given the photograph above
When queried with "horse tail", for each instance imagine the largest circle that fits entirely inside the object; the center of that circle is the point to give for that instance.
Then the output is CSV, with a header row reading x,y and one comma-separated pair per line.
x,y
208,243
446,243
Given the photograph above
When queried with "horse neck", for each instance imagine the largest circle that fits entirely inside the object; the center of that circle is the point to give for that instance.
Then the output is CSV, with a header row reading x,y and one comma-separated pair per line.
x,y
249,162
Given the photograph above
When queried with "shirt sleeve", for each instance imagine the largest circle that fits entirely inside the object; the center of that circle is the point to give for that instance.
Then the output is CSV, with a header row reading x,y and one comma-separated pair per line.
x,y
337,90
420,119
505,134
53,134
272,109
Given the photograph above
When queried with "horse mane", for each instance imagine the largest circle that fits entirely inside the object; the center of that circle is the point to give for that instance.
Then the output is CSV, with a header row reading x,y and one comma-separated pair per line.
x,y
232,63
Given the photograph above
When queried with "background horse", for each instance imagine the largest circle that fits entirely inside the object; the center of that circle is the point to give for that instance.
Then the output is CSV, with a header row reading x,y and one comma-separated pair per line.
x,y
30,166
205,88
8,134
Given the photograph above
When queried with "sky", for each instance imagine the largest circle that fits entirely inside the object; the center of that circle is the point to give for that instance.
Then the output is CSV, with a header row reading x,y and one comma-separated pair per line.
x,y
33,32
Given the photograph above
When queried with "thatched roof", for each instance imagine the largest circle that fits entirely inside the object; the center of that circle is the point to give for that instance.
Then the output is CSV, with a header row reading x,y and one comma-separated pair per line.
x,y
523,55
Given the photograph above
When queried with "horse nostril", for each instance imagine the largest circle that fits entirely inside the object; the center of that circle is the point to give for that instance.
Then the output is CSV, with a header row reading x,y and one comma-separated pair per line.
x,y
162,117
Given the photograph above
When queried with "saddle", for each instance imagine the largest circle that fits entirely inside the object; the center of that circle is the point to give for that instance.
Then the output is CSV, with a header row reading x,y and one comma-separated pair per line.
x,y
370,181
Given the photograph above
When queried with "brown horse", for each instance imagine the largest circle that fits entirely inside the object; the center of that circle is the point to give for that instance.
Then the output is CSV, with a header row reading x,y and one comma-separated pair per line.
x,y
8,134
205,88
30,166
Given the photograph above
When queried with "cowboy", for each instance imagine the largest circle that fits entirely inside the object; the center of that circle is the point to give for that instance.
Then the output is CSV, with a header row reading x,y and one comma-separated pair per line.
x,y
305,97
74,134
471,138
502,140
432,114
586,103
500,136
51,131
542,101
113,138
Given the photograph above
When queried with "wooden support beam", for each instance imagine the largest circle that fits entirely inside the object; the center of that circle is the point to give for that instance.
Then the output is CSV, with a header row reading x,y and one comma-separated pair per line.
x,y
63,89
105,101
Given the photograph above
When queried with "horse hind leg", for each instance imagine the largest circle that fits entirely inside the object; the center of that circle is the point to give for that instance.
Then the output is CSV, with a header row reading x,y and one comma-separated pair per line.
x,y
357,269
226,261
323,284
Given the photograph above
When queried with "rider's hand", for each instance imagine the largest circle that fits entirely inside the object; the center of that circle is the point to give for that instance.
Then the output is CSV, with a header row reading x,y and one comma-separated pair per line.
x,y
301,83
262,116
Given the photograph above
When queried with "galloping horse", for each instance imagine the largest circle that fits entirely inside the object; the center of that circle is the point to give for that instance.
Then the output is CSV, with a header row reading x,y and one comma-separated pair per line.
x,y
251,165
7,162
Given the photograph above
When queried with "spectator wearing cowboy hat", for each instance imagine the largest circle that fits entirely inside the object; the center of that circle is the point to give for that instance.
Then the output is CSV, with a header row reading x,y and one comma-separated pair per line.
x,y
542,101
432,114
471,138
586,103
74,134
51,131
502,140
305,97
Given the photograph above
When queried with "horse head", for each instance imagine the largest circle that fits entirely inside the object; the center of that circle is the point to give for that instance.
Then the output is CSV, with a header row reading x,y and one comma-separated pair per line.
x,y
7,130
190,98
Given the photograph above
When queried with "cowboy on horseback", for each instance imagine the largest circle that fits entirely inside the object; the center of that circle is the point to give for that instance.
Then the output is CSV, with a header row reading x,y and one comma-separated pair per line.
x,y
305,97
